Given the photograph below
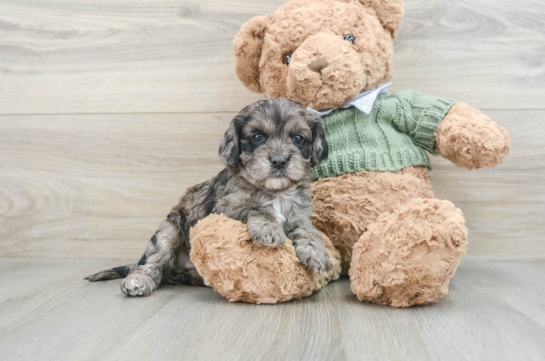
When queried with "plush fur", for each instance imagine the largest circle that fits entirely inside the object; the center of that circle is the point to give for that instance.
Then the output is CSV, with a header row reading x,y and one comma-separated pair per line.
x,y
470,139
234,266
269,150
346,205
325,70
399,244
408,256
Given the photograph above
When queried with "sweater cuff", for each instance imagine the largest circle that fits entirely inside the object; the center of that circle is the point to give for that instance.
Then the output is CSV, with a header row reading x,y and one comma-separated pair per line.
x,y
424,134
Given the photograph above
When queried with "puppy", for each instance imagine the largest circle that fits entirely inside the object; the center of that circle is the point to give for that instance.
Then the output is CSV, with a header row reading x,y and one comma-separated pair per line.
x,y
269,150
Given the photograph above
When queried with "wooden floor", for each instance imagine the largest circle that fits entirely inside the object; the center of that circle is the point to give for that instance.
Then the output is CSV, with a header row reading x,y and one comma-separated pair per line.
x,y
494,311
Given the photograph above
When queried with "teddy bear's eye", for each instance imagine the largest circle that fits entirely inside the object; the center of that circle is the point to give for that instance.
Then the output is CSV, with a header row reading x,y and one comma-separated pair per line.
x,y
288,59
350,38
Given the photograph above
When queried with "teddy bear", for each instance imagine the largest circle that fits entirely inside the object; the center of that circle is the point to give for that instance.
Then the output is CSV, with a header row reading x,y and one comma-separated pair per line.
x,y
373,198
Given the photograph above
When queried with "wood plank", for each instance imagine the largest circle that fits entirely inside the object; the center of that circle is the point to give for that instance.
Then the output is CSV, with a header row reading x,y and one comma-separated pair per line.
x,y
49,321
480,52
27,283
98,185
516,180
71,185
511,282
121,56
508,230
495,310
471,322
503,206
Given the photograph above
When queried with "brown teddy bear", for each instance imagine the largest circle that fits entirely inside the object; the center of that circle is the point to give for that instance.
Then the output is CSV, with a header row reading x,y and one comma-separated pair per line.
x,y
373,197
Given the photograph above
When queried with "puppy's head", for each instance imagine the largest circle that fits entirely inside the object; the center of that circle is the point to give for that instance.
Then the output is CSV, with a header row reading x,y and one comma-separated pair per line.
x,y
274,144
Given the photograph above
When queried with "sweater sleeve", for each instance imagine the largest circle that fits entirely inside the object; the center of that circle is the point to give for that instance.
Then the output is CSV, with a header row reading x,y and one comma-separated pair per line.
x,y
418,115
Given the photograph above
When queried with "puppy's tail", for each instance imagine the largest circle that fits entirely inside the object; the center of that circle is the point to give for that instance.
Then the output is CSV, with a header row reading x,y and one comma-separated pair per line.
x,y
110,274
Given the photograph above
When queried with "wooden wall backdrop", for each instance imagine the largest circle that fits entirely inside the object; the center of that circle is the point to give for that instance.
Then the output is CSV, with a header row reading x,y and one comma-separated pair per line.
x,y
109,109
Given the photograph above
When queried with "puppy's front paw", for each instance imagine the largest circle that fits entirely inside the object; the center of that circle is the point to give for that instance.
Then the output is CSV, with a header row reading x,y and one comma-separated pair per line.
x,y
314,255
138,285
267,234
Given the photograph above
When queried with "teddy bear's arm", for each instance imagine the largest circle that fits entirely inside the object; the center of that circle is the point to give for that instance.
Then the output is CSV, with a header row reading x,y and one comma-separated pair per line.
x,y
416,114
442,126
470,139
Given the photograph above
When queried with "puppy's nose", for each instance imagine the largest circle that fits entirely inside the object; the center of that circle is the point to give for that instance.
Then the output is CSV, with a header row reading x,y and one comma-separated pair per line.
x,y
279,162
318,64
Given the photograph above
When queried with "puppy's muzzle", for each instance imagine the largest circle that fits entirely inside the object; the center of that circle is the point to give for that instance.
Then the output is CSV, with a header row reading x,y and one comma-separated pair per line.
x,y
280,162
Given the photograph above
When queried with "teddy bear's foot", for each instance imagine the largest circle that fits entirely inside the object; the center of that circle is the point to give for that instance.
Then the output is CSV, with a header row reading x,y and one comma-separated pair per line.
x,y
408,256
227,259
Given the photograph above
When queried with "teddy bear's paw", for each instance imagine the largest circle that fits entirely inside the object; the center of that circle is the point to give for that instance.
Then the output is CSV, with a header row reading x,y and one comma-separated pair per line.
x,y
408,256
228,261
470,139
266,234
314,255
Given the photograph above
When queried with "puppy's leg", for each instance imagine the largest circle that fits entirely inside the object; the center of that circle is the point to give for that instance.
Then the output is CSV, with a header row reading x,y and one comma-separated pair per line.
x,y
309,244
191,277
265,232
158,264
189,274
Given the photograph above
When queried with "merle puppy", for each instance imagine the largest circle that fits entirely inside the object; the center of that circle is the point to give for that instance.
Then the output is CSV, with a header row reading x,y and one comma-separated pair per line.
x,y
269,150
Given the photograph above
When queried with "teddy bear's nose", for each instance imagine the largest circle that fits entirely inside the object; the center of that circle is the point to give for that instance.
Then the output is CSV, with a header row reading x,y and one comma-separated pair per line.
x,y
318,64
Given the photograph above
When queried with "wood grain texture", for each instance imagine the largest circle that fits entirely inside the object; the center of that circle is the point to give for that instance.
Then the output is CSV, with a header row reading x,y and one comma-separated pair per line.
x,y
121,56
494,311
503,206
98,185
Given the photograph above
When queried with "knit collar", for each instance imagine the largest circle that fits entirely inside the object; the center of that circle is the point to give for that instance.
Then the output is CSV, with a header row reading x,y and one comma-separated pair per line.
x,y
363,102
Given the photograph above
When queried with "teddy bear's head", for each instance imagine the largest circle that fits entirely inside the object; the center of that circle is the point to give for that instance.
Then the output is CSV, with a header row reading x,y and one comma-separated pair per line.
x,y
321,53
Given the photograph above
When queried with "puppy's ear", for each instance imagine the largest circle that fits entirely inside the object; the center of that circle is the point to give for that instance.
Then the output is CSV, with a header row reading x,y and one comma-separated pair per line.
x,y
320,148
229,149
248,44
389,12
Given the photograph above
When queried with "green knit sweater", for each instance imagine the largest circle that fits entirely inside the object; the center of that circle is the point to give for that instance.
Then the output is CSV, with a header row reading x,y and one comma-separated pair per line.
x,y
400,128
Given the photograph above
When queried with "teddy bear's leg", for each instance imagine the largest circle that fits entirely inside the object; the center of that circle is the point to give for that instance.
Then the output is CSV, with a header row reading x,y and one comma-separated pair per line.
x,y
227,259
345,206
408,256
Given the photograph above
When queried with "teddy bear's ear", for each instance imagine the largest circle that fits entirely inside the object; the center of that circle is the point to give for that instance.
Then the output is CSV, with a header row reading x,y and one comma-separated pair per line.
x,y
389,12
248,44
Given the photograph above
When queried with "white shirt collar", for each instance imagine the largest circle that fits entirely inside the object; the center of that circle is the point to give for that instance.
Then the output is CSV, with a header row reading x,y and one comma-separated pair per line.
x,y
363,102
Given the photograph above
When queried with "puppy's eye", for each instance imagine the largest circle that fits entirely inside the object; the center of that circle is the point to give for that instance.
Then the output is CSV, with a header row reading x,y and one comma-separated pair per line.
x,y
350,38
258,138
298,139
288,59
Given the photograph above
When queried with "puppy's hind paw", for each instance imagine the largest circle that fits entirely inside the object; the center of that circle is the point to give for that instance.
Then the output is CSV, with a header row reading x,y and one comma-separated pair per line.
x,y
314,256
138,285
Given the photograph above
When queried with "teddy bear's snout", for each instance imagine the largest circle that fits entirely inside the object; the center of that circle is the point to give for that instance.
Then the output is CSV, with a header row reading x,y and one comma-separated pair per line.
x,y
325,71
318,64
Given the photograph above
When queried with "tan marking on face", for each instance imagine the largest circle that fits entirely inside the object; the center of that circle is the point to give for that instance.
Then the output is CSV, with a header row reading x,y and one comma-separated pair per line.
x,y
296,124
261,123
